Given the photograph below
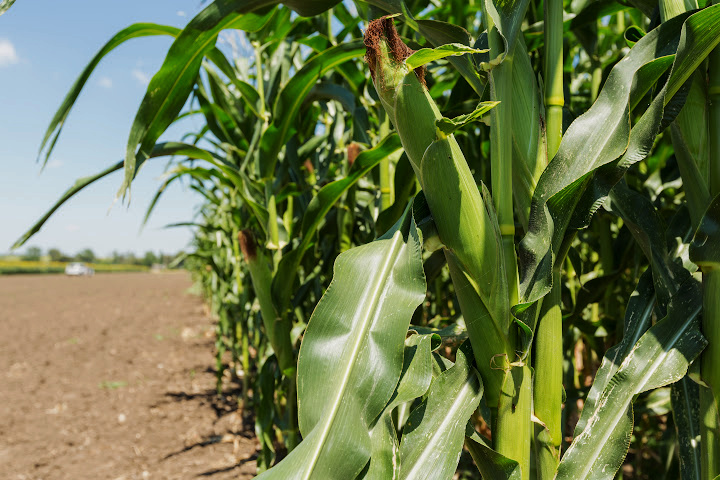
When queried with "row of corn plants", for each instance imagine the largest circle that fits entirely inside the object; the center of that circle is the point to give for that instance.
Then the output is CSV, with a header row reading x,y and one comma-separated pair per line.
x,y
490,247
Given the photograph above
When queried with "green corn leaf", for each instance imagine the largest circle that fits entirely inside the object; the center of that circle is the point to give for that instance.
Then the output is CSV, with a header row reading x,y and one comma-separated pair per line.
x,y
685,399
661,357
640,216
638,317
449,125
248,92
492,465
591,160
319,207
426,55
351,356
529,155
307,8
414,383
173,175
228,110
171,85
133,31
289,100
442,33
384,451
704,249
507,17
435,431
5,4
330,91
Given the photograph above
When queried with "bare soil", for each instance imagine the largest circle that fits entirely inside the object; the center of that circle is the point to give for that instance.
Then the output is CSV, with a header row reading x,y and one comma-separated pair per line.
x,y
110,377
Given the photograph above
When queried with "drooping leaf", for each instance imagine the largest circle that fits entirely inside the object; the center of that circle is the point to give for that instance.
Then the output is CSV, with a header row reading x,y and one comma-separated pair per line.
x,y
590,160
171,85
160,150
135,30
248,92
5,4
648,229
638,317
685,398
661,357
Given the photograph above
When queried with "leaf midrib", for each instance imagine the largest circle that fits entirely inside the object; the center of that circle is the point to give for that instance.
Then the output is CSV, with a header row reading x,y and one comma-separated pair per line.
x,y
600,442
376,294
438,432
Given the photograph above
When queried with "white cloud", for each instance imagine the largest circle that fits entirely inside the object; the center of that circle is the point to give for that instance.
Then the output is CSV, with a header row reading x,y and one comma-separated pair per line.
x,y
141,76
8,55
105,82
180,13
55,163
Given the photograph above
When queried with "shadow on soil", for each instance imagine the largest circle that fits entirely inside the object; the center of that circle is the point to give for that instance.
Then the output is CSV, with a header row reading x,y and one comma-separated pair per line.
x,y
223,404
242,462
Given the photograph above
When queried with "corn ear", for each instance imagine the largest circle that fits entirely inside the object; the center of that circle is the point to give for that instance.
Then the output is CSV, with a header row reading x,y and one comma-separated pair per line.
x,y
465,225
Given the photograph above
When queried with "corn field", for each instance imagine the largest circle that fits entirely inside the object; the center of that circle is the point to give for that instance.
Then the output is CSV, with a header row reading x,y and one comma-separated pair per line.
x,y
460,239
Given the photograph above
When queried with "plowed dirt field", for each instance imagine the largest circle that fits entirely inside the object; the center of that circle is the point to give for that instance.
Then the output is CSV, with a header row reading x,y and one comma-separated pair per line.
x,y
110,377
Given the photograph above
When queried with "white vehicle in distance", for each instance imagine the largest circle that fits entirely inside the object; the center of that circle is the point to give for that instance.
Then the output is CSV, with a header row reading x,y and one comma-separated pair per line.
x,y
76,269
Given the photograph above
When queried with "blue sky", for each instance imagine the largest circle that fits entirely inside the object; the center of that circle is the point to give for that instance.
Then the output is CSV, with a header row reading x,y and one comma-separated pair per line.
x,y
44,44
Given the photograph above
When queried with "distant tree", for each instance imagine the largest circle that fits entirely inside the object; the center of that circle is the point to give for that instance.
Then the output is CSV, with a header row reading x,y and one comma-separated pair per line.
x,y
32,254
55,255
150,258
86,255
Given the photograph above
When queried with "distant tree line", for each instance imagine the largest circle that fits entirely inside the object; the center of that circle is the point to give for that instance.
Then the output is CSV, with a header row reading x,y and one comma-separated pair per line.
x,y
87,255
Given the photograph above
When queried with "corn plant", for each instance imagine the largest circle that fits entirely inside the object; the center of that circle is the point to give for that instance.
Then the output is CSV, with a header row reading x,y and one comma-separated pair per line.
x,y
553,278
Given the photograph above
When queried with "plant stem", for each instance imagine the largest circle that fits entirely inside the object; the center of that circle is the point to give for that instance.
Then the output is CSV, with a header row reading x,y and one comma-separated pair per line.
x,y
710,368
501,158
278,328
512,432
385,177
547,390
548,341
554,96
245,359
710,360
260,81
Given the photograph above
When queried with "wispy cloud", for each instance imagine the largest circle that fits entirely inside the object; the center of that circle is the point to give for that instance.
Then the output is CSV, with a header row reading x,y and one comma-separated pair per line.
x,y
105,82
55,163
180,13
141,76
8,55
